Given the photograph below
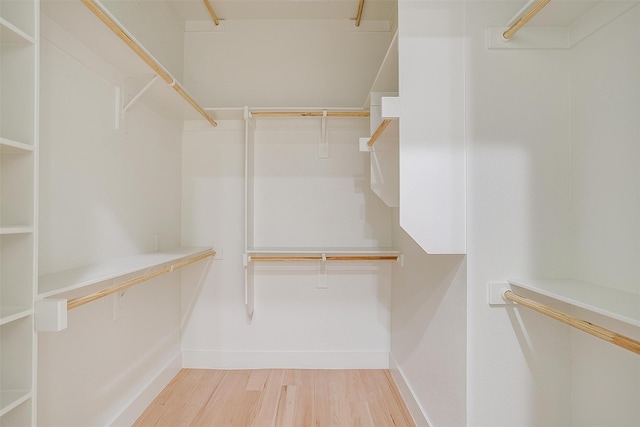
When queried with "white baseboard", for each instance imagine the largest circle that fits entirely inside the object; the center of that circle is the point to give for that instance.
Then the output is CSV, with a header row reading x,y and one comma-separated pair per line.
x,y
415,409
290,360
137,406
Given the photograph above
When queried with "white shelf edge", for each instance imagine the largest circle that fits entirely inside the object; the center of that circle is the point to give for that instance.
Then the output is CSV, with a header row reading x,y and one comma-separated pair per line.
x,y
11,146
320,251
11,399
11,314
19,229
9,33
61,282
578,293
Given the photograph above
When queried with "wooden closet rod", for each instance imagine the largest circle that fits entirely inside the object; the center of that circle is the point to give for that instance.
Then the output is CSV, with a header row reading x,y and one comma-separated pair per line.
x,y
378,132
588,327
77,302
327,258
114,26
309,114
522,21
211,12
359,16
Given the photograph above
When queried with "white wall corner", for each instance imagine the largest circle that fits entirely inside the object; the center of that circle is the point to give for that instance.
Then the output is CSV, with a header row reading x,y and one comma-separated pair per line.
x,y
415,409
132,412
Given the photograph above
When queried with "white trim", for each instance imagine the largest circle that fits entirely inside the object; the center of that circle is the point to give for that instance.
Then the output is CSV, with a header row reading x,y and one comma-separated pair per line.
x,y
415,409
291,360
137,406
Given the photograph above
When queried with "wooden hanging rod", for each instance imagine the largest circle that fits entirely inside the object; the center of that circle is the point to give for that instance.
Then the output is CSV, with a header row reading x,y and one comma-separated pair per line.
x,y
211,12
114,26
588,327
77,302
378,132
309,113
526,17
327,258
359,16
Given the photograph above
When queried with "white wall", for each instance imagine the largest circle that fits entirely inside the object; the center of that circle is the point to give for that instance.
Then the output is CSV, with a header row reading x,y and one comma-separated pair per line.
x,y
295,323
518,154
283,63
104,194
605,119
428,331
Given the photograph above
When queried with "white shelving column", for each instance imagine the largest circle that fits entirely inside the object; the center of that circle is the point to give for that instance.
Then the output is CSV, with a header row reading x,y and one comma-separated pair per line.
x,y
19,35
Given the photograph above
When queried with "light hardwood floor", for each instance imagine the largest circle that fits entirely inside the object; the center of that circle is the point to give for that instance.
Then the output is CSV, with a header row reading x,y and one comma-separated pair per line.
x,y
278,397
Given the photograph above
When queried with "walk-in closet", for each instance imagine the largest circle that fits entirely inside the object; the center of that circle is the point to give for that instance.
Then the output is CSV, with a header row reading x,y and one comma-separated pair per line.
x,y
433,204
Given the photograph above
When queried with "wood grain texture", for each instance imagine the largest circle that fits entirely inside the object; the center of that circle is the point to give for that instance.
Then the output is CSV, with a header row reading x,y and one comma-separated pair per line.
x,y
278,398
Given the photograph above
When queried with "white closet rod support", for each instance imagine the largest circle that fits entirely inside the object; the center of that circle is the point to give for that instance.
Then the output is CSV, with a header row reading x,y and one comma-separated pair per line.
x,y
522,21
585,326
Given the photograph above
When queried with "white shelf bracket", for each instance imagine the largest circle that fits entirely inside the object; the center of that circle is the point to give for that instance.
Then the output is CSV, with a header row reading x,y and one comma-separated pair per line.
x,y
321,282
323,149
123,93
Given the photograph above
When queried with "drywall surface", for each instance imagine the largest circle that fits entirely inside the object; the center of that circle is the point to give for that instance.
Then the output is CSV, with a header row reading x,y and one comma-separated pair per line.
x,y
518,154
605,119
104,193
296,324
428,330
284,63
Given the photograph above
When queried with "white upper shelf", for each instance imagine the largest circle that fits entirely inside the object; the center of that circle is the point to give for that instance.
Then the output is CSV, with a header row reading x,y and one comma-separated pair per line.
x,y
614,303
69,280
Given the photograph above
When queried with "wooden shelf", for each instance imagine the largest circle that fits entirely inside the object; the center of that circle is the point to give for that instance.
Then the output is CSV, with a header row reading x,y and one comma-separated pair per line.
x,y
614,303
10,34
10,399
69,280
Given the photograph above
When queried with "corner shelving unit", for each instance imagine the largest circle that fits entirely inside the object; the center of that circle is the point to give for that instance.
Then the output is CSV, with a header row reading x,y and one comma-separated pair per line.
x,y
19,63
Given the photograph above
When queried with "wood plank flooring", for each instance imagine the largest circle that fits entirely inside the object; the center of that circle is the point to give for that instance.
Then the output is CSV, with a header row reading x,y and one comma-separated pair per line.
x,y
278,397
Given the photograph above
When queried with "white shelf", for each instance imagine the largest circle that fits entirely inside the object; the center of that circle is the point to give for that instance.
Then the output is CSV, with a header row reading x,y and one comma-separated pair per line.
x,y
64,281
614,303
10,34
10,399
320,251
15,230
11,314
10,146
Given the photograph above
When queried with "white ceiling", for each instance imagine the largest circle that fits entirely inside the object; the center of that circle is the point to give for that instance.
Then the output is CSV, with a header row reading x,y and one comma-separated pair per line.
x,y
194,10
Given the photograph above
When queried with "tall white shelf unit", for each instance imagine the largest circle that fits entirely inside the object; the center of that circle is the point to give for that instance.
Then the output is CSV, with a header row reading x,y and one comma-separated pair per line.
x,y
19,44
